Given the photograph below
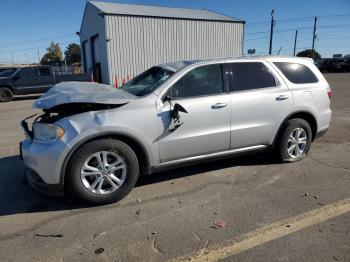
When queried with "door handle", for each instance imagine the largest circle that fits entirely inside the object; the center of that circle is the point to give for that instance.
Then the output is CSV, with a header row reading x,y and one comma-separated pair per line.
x,y
218,105
282,97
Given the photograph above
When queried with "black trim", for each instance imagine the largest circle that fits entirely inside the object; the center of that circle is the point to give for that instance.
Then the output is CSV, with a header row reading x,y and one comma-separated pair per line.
x,y
20,151
285,120
38,184
26,129
321,133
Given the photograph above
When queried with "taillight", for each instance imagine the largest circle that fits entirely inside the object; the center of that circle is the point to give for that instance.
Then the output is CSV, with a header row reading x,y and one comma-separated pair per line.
x,y
329,92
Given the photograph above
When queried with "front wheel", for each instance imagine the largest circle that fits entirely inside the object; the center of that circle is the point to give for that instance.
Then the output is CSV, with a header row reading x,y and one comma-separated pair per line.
x,y
102,171
295,141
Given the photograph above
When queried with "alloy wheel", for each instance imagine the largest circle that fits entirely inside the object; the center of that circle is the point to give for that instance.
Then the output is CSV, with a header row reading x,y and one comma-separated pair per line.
x,y
297,142
103,172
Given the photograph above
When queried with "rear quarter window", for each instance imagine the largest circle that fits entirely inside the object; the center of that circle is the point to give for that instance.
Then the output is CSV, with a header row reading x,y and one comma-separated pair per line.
x,y
296,73
44,71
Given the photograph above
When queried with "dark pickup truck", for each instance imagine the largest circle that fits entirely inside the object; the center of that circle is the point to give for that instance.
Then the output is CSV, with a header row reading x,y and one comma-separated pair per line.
x,y
30,80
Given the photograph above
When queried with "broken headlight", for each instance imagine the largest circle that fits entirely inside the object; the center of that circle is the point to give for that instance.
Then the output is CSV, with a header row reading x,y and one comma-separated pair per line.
x,y
47,132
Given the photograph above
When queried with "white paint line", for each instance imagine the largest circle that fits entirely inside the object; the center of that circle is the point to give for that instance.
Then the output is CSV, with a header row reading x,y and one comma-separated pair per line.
x,y
270,232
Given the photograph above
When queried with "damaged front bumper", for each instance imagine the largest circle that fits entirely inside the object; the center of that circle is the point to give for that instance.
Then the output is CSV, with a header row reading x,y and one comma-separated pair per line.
x,y
42,161
36,182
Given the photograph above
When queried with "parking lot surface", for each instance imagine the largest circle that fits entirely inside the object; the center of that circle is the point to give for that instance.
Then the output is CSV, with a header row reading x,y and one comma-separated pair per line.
x,y
240,209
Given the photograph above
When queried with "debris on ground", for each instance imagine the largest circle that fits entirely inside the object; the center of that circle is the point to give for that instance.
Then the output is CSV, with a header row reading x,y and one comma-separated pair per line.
x,y
305,195
138,212
139,200
156,248
99,250
216,213
315,197
320,203
50,235
99,234
218,224
197,237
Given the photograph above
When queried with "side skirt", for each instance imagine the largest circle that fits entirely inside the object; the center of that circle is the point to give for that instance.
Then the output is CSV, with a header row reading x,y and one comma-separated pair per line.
x,y
201,158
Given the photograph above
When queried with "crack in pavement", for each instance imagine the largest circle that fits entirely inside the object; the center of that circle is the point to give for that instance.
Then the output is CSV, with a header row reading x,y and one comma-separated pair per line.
x,y
329,164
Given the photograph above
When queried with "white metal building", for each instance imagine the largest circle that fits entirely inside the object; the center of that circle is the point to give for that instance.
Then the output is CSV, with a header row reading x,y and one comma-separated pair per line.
x,y
120,41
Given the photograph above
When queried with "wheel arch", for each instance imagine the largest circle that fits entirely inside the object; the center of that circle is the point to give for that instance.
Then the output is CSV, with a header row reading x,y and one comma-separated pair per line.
x,y
9,87
136,145
306,115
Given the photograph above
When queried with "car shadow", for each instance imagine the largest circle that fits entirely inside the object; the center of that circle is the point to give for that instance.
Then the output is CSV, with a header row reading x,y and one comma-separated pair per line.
x,y
18,197
253,159
27,97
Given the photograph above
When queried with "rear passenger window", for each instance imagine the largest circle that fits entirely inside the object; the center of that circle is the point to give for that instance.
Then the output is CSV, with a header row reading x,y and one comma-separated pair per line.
x,y
297,73
44,71
251,75
201,81
28,73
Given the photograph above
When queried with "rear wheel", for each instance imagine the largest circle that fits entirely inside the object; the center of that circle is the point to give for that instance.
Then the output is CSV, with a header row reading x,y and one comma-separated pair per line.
x,y
6,94
102,171
295,141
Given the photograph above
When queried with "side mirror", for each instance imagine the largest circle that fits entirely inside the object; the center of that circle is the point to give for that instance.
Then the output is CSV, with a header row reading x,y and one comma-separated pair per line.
x,y
175,112
175,116
166,98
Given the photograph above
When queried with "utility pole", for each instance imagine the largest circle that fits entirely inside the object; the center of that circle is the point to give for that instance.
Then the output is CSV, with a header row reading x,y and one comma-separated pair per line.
x,y
271,31
11,57
295,41
38,56
313,39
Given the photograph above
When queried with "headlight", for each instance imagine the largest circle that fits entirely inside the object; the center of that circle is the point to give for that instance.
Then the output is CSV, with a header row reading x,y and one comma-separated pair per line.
x,y
47,132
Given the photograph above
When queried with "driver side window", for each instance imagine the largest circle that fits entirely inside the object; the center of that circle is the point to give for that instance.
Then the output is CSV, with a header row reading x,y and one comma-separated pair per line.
x,y
201,81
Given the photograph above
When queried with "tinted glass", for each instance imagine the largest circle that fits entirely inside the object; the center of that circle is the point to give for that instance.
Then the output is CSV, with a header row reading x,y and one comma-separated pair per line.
x,y
28,73
148,81
7,72
297,73
44,71
252,75
201,81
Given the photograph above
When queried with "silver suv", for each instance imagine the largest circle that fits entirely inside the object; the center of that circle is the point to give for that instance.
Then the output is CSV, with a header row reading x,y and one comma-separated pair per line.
x,y
94,141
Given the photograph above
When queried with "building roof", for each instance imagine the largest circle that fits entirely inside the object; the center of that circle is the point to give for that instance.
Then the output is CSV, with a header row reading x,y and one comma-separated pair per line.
x,y
159,11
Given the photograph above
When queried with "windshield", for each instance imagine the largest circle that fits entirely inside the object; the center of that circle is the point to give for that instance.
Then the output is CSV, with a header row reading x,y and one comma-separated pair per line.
x,y
148,81
7,72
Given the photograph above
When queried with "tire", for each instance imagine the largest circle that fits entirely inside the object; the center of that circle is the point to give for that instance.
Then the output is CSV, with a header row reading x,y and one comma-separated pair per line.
x,y
300,147
6,94
85,161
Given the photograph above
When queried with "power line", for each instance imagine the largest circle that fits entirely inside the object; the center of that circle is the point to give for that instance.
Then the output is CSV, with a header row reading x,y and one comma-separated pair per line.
x,y
256,38
298,19
36,47
37,40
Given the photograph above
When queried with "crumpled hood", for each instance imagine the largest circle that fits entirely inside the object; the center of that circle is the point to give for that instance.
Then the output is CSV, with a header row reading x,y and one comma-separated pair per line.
x,y
82,92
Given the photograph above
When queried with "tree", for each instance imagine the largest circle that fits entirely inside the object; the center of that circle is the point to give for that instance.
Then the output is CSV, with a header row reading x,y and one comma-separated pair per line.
x,y
72,53
308,53
53,54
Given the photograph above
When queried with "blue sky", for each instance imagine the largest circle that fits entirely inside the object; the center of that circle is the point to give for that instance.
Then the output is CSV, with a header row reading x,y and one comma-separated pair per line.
x,y
27,26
